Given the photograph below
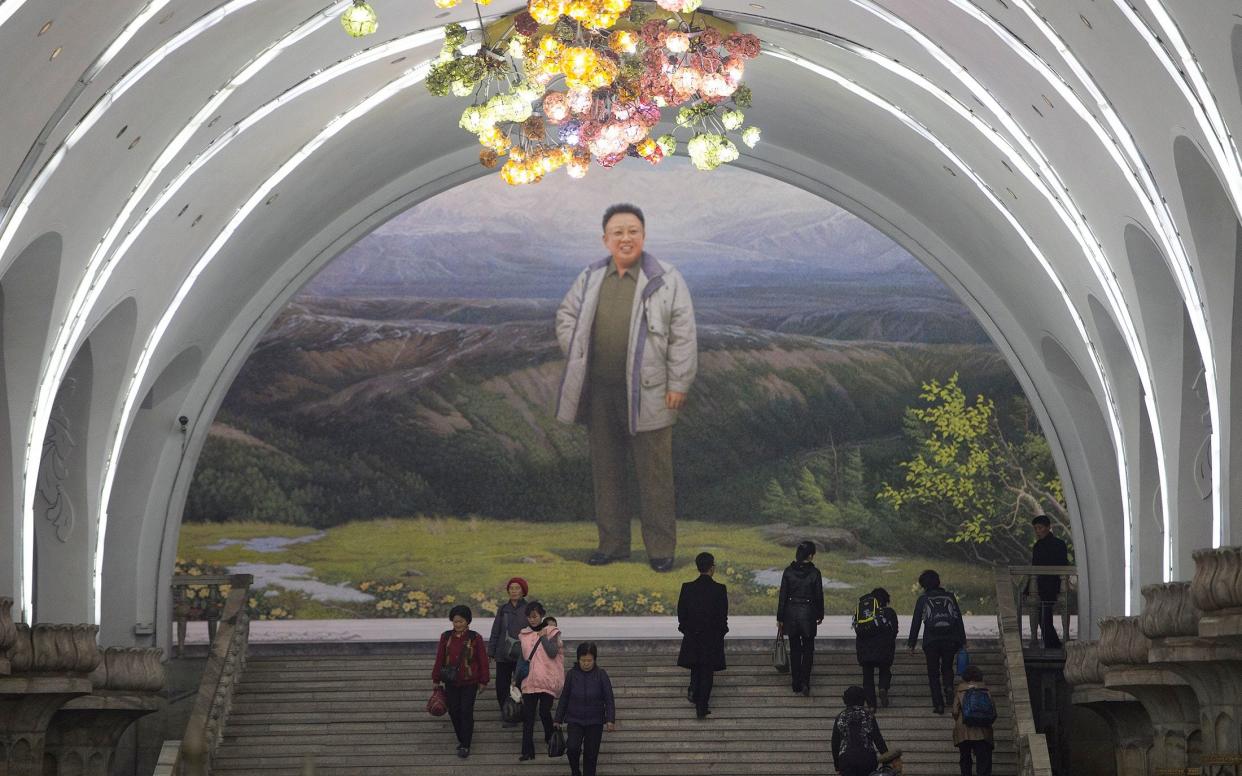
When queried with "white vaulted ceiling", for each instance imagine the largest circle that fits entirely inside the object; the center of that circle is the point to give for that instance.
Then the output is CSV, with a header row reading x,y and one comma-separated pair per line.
x,y
180,167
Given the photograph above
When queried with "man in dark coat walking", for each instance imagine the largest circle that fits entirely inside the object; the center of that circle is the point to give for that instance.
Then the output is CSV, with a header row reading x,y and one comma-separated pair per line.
x,y
703,619
1048,550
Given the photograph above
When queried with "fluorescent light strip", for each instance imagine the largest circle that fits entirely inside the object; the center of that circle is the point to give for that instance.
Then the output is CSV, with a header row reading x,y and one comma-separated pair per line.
x,y
1070,215
410,78
60,353
1080,324
1146,190
1213,125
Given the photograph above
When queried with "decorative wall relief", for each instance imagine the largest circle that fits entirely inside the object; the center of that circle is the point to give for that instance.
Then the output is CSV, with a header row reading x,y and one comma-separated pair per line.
x,y
51,500
1203,457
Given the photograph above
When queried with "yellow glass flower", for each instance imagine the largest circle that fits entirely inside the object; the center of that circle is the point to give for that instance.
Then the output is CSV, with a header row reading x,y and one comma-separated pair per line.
x,y
446,3
623,42
359,20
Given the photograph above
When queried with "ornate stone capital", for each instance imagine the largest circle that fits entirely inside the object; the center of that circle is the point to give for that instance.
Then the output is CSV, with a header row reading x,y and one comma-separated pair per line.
x,y
1082,663
1170,611
1218,579
130,669
21,652
64,648
8,633
1121,642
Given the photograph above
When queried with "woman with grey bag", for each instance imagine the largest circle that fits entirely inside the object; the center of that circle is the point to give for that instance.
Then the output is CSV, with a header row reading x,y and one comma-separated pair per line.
x,y
504,644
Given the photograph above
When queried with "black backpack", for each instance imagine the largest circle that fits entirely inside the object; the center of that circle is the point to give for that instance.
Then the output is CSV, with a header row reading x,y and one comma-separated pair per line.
x,y
867,618
941,616
856,724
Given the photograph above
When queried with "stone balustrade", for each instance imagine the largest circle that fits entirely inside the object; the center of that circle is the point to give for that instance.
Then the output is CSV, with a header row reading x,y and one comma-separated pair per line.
x,y
1082,663
1170,610
1217,585
8,633
1122,642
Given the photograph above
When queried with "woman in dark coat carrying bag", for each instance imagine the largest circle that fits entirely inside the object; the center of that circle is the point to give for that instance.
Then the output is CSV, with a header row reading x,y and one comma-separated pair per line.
x,y
799,611
461,669
587,705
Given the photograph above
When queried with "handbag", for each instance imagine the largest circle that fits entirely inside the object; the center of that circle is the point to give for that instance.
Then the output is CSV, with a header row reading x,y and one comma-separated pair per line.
x,y
511,648
449,674
511,709
780,655
556,744
437,704
962,661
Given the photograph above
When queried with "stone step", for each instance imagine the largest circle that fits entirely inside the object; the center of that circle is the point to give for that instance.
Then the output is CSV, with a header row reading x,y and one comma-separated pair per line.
x,y
364,715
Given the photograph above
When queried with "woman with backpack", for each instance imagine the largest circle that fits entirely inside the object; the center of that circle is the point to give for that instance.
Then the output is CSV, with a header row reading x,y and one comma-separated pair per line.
x,y
799,610
461,669
856,740
504,644
944,634
875,641
545,675
973,716
588,707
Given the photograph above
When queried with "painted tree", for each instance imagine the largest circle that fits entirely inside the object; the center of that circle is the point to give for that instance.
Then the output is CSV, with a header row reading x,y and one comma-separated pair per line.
x,y
969,482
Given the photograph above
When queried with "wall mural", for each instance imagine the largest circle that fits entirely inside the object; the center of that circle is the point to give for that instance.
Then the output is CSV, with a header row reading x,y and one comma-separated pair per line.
x,y
391,447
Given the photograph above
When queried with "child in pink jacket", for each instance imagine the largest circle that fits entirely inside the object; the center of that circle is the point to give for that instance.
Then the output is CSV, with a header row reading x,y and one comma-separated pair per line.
x,y
541,646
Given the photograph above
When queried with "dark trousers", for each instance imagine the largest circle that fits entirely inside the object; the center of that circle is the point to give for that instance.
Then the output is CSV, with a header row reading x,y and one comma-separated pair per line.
x,y
612,447
583,741
504,678
535,703
886,680
801,635
1047,603
940,655
982,751
860,765
701,681
461,711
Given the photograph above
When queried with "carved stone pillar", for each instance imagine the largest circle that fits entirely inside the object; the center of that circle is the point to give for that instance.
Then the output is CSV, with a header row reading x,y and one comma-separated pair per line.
x,y
49,666
1126,717
84,732
1211,661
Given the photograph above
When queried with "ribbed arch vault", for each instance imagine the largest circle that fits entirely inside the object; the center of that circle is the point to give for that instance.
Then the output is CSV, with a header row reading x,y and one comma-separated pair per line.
x,y
205,158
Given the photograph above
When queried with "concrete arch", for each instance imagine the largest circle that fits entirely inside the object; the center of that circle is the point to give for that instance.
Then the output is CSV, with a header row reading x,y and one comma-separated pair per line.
x,y
129,608
1217,236
66,534
27,290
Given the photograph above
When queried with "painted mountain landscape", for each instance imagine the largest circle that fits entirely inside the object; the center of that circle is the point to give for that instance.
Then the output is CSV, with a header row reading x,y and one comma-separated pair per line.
x,y
397,419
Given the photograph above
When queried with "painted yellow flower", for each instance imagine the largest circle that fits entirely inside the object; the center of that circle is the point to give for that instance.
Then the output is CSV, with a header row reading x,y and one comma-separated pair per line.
x,y
640,599
195,572
279,612
448,599
408,607
478,596
657,608
253,603
225,589
365,586
610,589
618,606
597,592
572,606
490,605
600,601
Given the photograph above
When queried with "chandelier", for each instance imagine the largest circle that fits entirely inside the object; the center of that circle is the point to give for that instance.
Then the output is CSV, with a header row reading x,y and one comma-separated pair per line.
x,y
566,82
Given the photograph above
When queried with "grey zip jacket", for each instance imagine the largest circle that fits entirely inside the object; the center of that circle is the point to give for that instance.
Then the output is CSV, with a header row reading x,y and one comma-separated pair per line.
x,y
663,352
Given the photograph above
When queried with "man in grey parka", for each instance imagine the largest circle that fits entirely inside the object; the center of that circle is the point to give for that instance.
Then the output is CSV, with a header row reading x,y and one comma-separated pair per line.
x,y
627,329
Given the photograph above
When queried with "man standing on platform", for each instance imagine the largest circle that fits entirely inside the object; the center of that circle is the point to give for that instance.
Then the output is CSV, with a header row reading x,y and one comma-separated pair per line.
x,y
703,619
627,329
1048,550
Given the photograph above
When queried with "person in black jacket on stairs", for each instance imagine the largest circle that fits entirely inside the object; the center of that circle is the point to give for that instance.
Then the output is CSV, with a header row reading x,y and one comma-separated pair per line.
x,y
799,610
938,613
875,641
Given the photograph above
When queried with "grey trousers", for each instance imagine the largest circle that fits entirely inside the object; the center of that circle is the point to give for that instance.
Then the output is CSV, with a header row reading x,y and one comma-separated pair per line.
x,y
612,447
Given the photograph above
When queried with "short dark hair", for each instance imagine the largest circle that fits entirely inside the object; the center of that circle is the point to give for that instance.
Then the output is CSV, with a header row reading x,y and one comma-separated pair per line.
x,y
1041,520
929,580
535,606
704,561
882,596
461,610
588,648
854,696
972,674
623,207
806,549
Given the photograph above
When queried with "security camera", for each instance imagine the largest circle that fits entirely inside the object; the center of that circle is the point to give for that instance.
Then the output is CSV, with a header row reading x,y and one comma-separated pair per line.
x,y
184,421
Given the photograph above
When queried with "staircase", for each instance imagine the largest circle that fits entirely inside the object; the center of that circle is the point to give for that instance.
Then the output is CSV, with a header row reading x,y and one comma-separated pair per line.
x,y
363,715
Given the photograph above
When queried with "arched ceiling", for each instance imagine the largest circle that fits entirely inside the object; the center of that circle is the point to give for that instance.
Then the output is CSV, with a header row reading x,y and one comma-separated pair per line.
x,y
200,159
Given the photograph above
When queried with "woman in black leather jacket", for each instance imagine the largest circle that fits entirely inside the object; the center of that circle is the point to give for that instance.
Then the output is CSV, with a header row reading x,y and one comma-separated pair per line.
x,y
799,609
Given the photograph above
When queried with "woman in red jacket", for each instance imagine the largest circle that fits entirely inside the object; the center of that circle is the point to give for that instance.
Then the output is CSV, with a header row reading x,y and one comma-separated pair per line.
x,y
461,668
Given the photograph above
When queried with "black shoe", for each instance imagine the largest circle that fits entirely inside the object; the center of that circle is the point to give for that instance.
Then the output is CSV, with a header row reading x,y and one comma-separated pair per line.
x,y
702,714
806,691
526,757
463,752
797,690
690,694
600,559
884,698
938,709
508,724
661,564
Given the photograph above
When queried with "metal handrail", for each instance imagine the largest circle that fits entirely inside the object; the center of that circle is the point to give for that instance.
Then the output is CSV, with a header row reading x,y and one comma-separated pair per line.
x,y
1020,593
1033,758
225,661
